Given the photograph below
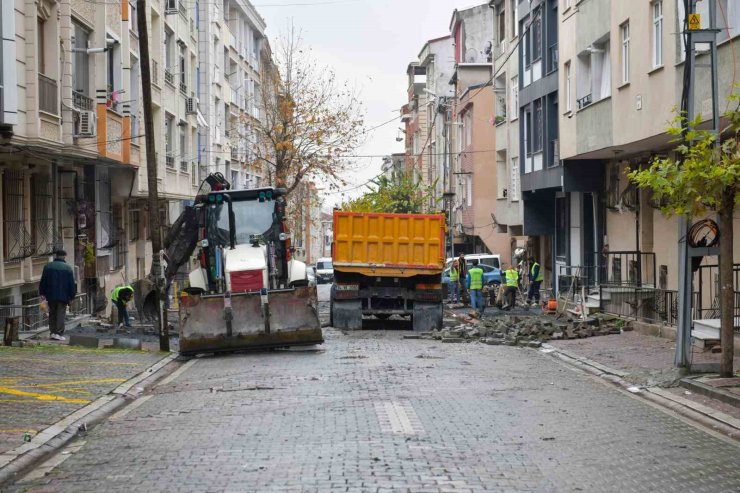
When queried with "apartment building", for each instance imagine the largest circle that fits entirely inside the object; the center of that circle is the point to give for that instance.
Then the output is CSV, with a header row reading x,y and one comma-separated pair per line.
x,y
509,206
474,179
437,60
72,144
621,74
232,46
543,188
417,123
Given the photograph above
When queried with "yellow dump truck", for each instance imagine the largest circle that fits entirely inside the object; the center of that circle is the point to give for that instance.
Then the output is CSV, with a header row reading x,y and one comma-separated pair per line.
x,y
387,264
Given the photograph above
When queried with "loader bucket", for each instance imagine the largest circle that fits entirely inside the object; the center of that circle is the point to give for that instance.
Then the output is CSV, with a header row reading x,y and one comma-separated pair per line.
x,y
211,323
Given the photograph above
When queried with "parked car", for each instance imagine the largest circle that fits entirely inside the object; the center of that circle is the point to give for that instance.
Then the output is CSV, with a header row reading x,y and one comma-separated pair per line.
x,y
491,275
311,275
324,271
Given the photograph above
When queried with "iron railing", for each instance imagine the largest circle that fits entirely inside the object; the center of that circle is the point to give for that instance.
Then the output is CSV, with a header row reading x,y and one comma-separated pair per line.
x,y
184,166
169,160
552,59
48,95
30,315
155,72
627,268
82,101
584,101
169,77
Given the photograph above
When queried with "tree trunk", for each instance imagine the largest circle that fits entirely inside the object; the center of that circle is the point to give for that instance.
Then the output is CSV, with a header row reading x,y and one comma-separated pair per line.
x,y
727,291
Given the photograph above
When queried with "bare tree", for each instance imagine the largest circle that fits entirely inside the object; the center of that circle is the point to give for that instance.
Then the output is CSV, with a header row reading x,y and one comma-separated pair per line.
x,y
310,121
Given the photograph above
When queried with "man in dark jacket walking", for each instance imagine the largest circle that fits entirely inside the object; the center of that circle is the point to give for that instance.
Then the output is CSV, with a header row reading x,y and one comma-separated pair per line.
x,y
59,288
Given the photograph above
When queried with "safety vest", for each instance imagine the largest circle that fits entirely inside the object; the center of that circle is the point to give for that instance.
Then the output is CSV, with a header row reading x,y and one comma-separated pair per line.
x,y
476,278
539,277
117,292
454,274
512,278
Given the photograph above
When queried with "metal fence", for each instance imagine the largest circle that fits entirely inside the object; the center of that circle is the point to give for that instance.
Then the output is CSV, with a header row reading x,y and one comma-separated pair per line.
x,y
31,317
628,268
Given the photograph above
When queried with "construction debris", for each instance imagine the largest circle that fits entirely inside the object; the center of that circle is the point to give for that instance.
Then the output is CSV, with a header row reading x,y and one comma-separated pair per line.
x,y
528,331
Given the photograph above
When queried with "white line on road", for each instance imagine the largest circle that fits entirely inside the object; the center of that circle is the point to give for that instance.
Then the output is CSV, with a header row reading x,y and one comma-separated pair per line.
x,y
398,417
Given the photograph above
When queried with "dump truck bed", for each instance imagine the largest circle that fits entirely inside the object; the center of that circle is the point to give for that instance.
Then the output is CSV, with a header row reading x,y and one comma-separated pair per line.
x,y
388,245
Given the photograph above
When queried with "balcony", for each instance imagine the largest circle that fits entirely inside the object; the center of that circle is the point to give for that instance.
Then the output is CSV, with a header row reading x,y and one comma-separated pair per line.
x,y
48,95
81,101
184,166
183,88
584,101
169,77
234,153
169,160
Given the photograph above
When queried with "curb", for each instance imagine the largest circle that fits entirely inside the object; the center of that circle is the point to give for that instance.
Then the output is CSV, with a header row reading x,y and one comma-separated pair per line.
x,y
709,391
14,463
702,415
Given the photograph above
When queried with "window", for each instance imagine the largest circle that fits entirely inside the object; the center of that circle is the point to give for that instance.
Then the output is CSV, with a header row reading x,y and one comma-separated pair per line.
x,y
568,90
183,149
81,68
501,25
113,58
41,46
468,127
537,35
469,190
169,47
528,130
17,243
42,222
133,98
514,111
514,9
568,4
561,228
104,209
169,124
183,72
134,224
235,180
133,21
514,181
657,8
526,48
537,127
625,30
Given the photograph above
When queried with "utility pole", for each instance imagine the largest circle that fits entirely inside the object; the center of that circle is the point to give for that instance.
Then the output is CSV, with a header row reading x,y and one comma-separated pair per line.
x,y
696,36
151,173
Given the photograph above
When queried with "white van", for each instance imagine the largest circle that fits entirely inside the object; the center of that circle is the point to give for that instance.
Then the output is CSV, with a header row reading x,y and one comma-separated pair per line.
x,y
484,258
324,270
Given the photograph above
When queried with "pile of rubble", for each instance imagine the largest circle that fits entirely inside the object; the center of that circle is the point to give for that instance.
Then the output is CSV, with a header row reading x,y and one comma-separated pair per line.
x,y
526,331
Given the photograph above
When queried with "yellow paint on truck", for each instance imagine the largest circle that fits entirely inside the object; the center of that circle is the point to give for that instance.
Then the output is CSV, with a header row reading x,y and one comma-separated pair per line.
x,y
388,245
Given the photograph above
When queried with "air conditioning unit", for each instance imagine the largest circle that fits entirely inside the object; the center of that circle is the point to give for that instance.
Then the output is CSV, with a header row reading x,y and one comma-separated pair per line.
x,y
87,124
190,106
170,7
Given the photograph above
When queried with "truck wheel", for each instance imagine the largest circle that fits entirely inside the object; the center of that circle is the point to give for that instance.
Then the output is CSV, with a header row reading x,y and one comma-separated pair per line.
x,y
346,314
426,316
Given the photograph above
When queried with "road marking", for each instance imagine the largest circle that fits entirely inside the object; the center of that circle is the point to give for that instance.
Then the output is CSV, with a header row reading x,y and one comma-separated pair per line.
x,y
177,373
42,397
123,412
78,382
398,417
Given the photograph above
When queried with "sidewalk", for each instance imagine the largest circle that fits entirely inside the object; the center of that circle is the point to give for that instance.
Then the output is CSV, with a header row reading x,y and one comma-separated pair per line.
x,y
647,361
41,385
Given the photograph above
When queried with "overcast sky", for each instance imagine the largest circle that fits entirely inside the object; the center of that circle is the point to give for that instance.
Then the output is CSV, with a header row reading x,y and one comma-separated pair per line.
x,y
368,43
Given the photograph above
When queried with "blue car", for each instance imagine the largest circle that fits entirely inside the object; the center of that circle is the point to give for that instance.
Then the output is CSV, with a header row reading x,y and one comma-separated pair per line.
x,y
491,275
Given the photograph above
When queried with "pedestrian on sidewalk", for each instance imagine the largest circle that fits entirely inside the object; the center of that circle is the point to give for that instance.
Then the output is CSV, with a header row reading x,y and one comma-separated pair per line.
x,y
120,296
512,286
475,285
535,281
463,275
58,287
455,282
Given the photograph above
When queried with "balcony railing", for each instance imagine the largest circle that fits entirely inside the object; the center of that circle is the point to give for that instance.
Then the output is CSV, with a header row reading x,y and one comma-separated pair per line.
x,y
584,101
48,95
184,166
234,153
81,101
169,160
184,88
169,77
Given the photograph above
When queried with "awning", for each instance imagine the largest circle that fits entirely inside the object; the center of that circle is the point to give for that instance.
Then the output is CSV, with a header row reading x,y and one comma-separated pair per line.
x,y
201,119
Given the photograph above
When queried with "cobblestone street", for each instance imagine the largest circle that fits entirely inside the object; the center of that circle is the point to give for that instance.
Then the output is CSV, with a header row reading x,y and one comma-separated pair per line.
x,y
369,411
